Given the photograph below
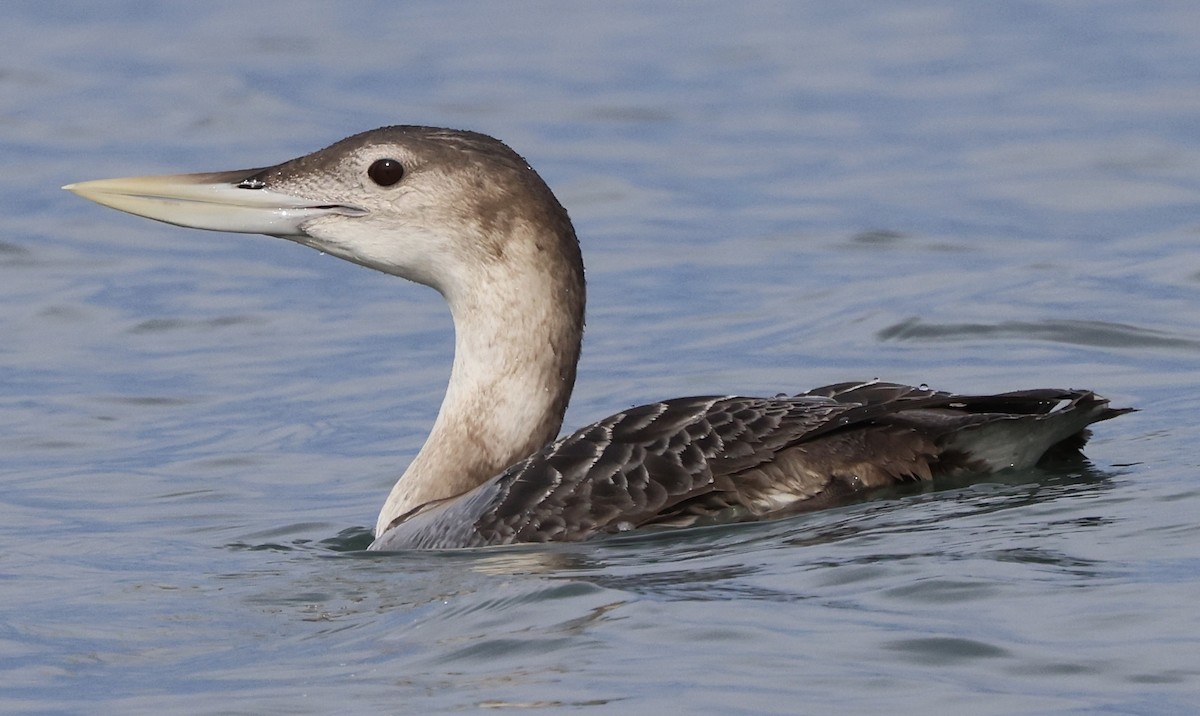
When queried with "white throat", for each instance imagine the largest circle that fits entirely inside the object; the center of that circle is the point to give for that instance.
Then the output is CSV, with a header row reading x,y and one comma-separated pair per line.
x,y
518,325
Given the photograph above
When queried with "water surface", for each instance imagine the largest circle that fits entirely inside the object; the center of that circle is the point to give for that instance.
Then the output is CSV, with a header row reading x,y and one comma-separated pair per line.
x,y
197,429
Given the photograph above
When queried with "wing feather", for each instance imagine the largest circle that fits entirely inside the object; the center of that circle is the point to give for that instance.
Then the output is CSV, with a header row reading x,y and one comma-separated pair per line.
x,y
715,458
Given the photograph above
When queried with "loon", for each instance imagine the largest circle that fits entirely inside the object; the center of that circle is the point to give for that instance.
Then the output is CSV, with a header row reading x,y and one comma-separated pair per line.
x,y
463,213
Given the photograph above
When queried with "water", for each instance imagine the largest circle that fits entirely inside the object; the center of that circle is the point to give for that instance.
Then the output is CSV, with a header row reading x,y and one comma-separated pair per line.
x,y
197,429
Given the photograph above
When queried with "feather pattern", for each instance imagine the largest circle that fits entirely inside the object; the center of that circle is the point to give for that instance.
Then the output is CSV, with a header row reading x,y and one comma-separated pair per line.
x,y
690,460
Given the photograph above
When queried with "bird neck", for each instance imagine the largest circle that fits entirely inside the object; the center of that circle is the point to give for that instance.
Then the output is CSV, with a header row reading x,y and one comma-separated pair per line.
x,y
518,328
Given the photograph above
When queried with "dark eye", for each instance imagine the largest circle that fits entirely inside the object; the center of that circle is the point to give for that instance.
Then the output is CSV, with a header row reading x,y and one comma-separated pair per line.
x,y
386,172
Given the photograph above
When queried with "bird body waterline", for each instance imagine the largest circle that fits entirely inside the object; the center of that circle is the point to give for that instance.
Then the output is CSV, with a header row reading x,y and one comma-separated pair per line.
x,y
463,213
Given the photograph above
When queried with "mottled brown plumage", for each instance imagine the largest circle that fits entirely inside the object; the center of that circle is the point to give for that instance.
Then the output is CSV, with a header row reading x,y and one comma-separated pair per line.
x,y
706,459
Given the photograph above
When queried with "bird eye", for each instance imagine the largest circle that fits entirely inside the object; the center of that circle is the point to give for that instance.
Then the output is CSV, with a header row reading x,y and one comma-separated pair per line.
x,y
386,172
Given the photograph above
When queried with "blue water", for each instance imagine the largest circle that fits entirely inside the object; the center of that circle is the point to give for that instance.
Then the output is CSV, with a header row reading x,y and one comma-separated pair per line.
x,y
197,429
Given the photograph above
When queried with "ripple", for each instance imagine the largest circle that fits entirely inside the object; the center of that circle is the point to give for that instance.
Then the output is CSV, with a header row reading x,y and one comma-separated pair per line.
x,y
946,650
1084,333
164,325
